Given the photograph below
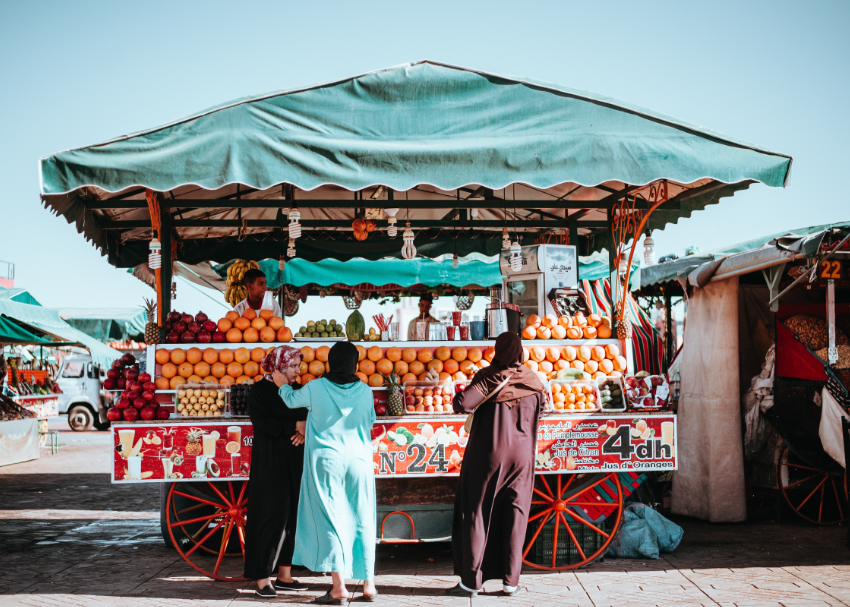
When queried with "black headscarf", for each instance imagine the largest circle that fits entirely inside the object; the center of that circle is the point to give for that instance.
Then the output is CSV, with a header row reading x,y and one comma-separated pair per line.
x,y
342,360
507,364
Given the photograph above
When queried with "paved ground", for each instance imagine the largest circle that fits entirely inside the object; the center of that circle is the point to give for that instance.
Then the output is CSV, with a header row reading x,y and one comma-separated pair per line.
x,y
69,537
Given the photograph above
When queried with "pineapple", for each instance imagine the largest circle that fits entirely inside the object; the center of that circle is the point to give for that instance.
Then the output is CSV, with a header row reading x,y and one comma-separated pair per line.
x,y
151,329
395,401
193,442
624,326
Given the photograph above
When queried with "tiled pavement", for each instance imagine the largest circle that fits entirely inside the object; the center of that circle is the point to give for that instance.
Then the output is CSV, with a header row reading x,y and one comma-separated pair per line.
x,y
68,537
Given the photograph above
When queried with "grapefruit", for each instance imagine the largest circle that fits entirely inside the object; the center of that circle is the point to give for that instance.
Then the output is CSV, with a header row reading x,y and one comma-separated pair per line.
x,y
451,366
408,355
308,355
537,353
574,333
226,356
169,370
533,321
394,354
242,355
559,332
606,366
241,324
612,351
210,356
584,354
594,320
374,354
565,321
234,370
316,368
553,353
546,366
597,353
384,366
408,377
591,366
161,383
232,315
361,353
178,356
550,320
424,355
275,323
376,381
233,336
251,335
436,364
224,325
249,313
162,356
401,368
443,353
185,369
266,315
474,354
416,367
544,333
218,370
257,355
322,353
529,332
589,332
176,381
202,369
284,334
259,324
603,332
267,335
363,377
367,367
531,365
459,353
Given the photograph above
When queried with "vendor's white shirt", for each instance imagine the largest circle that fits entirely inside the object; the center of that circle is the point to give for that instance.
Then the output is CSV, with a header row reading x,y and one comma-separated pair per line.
x,y
244,305
411,328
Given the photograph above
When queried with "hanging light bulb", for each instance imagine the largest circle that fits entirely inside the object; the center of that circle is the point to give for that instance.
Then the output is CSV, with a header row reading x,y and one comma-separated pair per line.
x,y
408,251
454,261
290,251
155,256
649,251
294,224
474,213
506,240
392,230
516,257
281,263
624,264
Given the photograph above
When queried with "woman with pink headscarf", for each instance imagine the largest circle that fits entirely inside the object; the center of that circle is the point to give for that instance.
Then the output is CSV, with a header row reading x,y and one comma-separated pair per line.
x,y
277,461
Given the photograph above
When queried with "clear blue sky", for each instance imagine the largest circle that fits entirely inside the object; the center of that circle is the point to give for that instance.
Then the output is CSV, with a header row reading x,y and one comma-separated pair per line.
x,y
76,73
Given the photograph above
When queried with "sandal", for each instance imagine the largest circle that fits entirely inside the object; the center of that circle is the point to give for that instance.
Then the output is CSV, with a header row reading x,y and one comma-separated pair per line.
x,y
327,599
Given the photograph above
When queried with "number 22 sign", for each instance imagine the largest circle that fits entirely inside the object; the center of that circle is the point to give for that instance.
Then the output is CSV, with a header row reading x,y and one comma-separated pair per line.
x,y
831,270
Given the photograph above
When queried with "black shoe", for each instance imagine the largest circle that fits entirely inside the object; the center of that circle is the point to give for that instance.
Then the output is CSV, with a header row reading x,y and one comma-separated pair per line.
x,y
327,599
266,593
459,591
370,598
516,591
293,586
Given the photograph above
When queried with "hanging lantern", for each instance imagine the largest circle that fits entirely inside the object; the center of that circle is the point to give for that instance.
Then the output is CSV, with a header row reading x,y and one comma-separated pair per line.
x,y
290,250
408,251
506,240
516,257
454,261
474,213
294,224
281,263
649,251
624,264
155,256
392,230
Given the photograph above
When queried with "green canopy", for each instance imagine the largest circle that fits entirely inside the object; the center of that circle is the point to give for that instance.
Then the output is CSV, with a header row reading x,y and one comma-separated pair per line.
x,y
13,333
432,134
19,295
107,324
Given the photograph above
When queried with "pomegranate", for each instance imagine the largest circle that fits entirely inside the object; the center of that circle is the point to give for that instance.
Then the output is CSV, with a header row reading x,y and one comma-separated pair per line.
x,y
128,359
166,326
131,375
188,337
131,394
179,327
145,377
162,413
113,373
209,326
130,414
123,403
172,338
194,327
147,414
109,383
114,414
147,395
187,318
380,409
140,402
117,364
134,385
149,385
119,383
219,337
201,317
173,316
204,337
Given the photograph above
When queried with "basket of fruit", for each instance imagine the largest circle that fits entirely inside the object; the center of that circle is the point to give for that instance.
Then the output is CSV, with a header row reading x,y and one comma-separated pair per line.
x,y
647,392
575,395
427,397
201,400
320,330
612,394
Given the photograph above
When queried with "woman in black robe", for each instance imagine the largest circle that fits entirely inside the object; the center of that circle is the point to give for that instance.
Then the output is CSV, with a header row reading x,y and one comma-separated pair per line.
x,y
277,461
496,479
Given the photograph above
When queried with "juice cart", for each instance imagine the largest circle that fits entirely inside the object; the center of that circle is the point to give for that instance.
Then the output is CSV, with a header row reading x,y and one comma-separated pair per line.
x,y
255,180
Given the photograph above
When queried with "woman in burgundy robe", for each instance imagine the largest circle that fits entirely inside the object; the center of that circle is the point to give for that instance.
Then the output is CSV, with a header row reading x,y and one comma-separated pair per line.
x,y
496,478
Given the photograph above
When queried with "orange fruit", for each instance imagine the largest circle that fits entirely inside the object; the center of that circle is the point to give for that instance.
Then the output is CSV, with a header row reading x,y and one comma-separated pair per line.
x,y
533,321
234,336
424,355
169,370
408,377
443,353
257,355
361,352
243,379
266,314
316,368
445,376
565,321
559,332
562,364
226,381
218,369
489,353
550,320
307,378
460,376
591,366
202,369
178,356
459,353
589,332
367,367
584,353
232,315
394,354
620,364
597,353
529,332
162,356
276,323
267,335
161,383
176,381
234,370
308,355
302,368
559,397
574,333
594,320
544,332
185,369
612,351
408,355
416,367
376,381
241,324
249,313
537,353
466,367
525,355
362,377
259,324
384,366
436,364
224,325
451,366
577,364
474,354
250,335
603,332
579,319
553,353
210,356
374,354
322,353
242,355
606,366
401,368
226,356
284,334
546,366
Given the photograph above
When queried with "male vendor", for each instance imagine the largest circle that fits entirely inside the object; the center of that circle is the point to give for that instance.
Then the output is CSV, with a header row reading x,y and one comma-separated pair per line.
x,y
255,282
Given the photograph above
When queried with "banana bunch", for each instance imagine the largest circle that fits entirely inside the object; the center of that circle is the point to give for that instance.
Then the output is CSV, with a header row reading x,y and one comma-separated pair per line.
x,y
236,291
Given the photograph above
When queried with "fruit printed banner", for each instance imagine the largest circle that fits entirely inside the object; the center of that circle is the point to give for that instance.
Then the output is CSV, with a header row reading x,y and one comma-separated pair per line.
x,y
599,443
181,452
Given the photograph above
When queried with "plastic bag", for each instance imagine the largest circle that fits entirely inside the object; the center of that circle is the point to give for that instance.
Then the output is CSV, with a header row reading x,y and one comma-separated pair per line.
x,y
644,533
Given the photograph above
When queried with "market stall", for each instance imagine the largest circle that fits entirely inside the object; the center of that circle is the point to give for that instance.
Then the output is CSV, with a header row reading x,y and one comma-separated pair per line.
x,y
487,177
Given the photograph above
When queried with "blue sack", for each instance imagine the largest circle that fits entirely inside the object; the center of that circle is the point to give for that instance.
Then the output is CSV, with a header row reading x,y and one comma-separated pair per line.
x,y
644,533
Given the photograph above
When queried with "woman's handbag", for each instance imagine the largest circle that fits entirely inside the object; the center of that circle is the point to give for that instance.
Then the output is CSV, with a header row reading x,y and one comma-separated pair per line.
x,y
467,425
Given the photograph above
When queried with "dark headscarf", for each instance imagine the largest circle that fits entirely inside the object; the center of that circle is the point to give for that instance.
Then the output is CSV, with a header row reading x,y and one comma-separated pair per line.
x,y
507,363
342,360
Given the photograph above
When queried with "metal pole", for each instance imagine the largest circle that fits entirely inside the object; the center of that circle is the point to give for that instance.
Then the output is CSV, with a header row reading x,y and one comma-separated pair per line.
x,y
668,329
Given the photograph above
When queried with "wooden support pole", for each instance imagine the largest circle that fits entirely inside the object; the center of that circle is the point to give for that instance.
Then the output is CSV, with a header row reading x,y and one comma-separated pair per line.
x,y
668,329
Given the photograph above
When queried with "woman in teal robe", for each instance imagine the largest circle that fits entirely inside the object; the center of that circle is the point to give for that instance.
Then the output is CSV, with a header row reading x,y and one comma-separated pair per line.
x,y
336,509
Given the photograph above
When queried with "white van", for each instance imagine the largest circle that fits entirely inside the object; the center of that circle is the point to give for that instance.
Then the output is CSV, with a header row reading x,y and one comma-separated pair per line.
x,y
82,397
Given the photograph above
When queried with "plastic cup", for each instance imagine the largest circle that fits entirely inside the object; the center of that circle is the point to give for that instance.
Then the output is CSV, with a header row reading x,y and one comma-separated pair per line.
x,y
456,318
464,332
450,333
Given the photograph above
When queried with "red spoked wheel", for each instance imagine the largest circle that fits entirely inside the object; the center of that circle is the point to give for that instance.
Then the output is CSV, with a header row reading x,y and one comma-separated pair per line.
x,y
573,519
209,518
813,493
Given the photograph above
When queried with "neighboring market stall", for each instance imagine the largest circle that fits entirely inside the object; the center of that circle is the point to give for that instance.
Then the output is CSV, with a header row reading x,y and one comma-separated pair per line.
x,y
773,308
107,324
334,172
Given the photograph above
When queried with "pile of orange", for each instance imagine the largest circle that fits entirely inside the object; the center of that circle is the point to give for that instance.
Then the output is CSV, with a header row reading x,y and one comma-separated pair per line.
x,y
252,327
573,397
599,361
179,366
567,327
